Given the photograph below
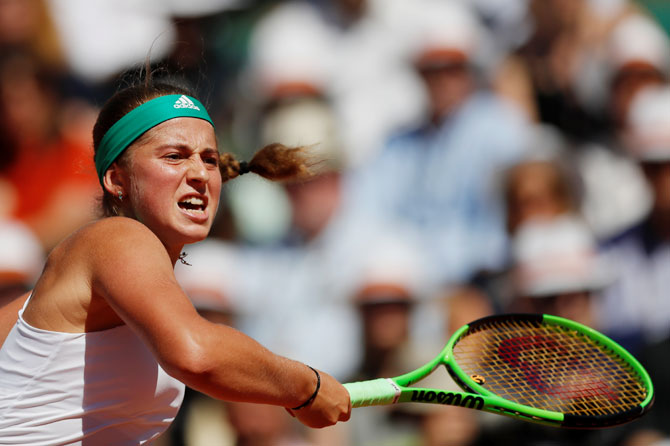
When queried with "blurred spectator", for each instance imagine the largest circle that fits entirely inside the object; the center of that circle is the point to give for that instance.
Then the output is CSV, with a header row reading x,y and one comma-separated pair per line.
x,y
51,174
28,25
21,262
557,269
438,179
351,51
388,297
541,187
544,75
636,308
637,55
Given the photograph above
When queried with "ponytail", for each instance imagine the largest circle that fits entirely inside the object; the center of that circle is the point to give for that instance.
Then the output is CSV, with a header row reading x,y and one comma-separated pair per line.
x,y
274,162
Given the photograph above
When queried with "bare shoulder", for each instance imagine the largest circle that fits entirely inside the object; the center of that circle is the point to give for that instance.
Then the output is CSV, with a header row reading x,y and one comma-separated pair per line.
x,y
117,245
108,238
110,249
70,294
114,229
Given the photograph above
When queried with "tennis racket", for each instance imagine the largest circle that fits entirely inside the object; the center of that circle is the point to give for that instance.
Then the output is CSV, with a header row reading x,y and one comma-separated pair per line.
x,y
539,368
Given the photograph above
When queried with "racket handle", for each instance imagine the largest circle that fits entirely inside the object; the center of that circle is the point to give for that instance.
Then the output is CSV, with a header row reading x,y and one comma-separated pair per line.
x,y
375,392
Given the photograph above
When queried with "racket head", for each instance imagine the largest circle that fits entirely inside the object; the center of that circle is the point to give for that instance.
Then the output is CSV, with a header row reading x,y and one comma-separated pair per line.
x,y
553,370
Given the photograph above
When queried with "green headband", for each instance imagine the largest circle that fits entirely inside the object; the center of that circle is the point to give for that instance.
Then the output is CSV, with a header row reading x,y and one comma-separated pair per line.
x,y
139,120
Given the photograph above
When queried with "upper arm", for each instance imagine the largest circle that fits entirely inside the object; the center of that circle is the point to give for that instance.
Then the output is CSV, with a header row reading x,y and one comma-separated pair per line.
x,y
132,271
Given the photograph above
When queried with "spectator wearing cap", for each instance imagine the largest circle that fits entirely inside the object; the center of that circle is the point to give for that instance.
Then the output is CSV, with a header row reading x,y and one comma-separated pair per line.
x,y
348,51
543,186
557,269
438,178
391,301
388,289
636,307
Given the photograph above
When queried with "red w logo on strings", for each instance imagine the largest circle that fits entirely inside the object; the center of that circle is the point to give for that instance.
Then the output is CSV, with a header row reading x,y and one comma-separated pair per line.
x,y
578,381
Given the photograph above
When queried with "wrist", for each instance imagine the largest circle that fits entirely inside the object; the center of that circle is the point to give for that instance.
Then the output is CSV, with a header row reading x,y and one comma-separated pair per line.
x,y
313,396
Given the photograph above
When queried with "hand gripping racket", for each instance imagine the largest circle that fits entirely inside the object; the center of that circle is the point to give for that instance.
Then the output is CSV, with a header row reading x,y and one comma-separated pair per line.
x,y
538,368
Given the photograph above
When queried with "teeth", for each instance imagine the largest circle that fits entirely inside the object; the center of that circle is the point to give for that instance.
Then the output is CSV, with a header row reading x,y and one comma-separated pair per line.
x,y
193,204
194,201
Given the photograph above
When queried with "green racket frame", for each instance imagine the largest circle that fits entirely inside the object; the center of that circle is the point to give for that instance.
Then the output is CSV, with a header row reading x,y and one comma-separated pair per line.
x,y
384,391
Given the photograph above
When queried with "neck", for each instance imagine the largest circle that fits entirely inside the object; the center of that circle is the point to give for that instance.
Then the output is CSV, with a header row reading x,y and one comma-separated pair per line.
x,y
178,256
175,253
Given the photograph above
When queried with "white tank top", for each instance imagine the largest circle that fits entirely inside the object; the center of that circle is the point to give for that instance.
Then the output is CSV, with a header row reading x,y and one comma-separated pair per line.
x,y
99,388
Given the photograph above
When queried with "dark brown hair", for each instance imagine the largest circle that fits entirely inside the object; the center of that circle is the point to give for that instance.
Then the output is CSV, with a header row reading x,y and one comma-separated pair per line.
x,y
274,162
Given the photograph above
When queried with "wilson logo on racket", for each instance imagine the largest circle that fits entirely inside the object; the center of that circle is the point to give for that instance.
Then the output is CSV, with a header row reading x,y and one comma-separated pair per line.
x,y
547,353
448,398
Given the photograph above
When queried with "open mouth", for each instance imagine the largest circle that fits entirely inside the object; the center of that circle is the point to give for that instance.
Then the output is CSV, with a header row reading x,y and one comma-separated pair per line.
x,y
193,204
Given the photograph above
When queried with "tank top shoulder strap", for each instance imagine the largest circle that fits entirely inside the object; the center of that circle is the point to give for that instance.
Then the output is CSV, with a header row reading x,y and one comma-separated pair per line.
x,y
25,304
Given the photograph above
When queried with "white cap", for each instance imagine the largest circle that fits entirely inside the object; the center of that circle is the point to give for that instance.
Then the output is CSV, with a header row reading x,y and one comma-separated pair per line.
x,y
439,25
104,37
21,254
392,268
308,122
556,256
290,46
649,125
638,38
208,280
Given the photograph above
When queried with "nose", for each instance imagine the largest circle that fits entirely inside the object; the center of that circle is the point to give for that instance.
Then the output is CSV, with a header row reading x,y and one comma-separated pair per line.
x,y
197,170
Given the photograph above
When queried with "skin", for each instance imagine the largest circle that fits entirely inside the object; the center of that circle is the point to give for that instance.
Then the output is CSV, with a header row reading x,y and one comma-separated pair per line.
x,y
447,89
314,203
658,177
119,270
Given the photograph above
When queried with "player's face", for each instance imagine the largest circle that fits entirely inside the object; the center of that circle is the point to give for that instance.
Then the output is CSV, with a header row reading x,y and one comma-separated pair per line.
x,y
174,180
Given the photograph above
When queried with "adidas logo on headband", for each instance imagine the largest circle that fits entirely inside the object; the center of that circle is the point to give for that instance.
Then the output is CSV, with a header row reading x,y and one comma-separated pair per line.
x,y
185,102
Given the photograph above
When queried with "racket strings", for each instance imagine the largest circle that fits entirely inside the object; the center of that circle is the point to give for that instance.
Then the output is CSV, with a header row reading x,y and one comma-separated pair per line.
x,y
549,367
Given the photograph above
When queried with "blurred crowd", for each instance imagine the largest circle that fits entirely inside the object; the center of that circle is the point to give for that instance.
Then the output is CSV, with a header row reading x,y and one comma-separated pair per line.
x,y
474,157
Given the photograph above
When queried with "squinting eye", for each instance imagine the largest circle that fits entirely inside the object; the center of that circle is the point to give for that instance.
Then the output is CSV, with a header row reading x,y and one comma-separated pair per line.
x,y
213,161
173,156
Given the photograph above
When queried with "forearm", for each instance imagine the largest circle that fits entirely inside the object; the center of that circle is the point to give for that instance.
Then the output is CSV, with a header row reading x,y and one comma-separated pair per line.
x,y
226,364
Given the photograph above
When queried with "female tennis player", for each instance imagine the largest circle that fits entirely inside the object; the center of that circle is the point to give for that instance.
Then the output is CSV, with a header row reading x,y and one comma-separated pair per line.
x,y
106,341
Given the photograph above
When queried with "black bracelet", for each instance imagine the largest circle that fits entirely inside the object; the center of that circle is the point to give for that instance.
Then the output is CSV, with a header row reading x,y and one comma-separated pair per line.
x,y
311,398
